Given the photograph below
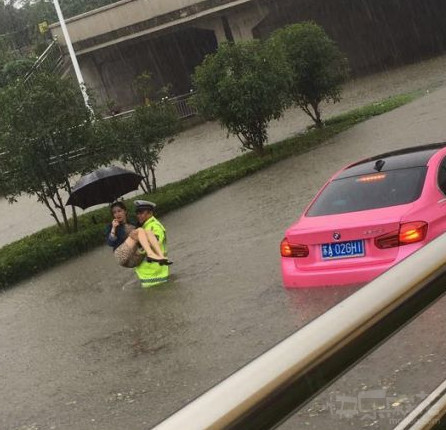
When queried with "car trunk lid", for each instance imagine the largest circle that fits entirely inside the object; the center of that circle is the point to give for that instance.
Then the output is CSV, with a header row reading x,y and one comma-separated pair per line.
x,y
346,239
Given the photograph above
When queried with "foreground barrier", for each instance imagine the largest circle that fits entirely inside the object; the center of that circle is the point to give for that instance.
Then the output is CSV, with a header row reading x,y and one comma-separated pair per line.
x,y
268,390
430,414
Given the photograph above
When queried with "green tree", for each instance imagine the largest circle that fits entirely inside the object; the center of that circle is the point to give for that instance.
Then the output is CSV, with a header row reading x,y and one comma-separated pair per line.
x,y
20,39
143,86
139,139
11,71
6,54
76,7
318,66
12,20
45,129
244,87
19,21
19,25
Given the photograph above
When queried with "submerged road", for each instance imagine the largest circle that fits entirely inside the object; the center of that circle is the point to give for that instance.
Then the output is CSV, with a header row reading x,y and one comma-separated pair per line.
x,y
84,347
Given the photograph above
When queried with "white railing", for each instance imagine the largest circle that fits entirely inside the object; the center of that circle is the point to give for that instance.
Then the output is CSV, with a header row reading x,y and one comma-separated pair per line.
x,y
429,414
51,60
181,103
183,106
272,387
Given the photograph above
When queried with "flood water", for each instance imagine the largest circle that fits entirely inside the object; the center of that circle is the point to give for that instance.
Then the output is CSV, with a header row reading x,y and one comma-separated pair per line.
x,y
207,144
84,347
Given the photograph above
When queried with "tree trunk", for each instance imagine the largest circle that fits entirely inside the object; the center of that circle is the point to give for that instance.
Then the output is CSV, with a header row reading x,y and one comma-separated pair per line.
x,y
314,114
42,198
73,209
254,139
317,114
152,170
61,207
143,184
259,150
146,175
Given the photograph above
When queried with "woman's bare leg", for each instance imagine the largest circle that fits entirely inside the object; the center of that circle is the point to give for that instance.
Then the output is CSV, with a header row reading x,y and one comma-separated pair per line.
x,y
148,242
153,241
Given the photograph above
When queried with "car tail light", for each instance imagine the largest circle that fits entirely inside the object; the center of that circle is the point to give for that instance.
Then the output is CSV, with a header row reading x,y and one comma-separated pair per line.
x,y
290,250
388,240
409,232
412,232
372,178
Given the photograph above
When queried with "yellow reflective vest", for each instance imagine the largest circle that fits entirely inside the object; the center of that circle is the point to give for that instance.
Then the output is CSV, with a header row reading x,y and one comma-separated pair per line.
x,y
153,273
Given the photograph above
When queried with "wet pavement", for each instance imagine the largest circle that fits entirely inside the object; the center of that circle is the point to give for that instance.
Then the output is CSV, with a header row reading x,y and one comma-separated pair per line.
x,y
84,347
380,391
207,144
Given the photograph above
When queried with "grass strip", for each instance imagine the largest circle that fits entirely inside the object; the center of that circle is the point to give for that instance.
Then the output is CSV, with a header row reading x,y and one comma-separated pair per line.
x,y
45,249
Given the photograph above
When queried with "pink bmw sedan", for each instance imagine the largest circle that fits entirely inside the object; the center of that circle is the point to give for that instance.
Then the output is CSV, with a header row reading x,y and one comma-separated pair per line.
x,y
368,217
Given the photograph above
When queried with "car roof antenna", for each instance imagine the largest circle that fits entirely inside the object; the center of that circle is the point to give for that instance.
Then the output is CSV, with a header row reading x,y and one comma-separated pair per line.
x,y
379,165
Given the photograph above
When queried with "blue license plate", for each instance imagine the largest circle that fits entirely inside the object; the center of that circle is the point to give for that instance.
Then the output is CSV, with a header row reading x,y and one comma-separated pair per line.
x,y
351,248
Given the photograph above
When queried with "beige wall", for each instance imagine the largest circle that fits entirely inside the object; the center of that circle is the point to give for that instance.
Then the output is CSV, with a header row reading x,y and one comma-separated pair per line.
x,y
131,12
118,15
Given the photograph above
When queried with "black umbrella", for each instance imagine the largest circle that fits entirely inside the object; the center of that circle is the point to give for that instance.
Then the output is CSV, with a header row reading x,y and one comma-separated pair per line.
x,y
103,186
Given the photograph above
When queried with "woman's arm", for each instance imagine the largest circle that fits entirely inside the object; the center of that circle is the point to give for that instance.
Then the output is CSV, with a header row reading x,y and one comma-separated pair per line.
x,y
111,235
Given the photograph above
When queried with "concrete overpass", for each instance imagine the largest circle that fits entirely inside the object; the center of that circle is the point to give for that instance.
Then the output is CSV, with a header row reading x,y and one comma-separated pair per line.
x,y
169,38
131,19
116,43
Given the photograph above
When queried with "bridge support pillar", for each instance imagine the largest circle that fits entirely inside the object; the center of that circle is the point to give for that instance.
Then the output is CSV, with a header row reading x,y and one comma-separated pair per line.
x,y
235,26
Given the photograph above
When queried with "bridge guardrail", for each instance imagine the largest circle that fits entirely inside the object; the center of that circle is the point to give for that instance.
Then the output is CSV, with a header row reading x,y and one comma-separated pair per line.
x,y
181,103
50,60
272,387
183,106
428,415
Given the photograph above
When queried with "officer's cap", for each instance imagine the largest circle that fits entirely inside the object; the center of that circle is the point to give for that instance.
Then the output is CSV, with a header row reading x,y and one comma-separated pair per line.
x,y
141,205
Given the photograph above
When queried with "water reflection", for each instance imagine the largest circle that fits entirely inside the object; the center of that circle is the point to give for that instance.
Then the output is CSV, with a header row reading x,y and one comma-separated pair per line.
x,y
309,303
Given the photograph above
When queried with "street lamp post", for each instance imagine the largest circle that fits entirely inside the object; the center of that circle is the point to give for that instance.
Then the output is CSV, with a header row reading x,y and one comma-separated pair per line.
x,y
76,67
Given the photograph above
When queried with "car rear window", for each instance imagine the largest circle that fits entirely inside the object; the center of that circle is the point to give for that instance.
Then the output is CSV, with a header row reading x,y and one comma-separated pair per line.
x,y
371,191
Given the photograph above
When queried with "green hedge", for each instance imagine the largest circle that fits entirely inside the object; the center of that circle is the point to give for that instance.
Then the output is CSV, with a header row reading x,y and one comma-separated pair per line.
x,y
45,249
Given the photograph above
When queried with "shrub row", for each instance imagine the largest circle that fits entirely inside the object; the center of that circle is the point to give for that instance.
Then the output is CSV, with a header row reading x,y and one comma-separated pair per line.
x,y
49,247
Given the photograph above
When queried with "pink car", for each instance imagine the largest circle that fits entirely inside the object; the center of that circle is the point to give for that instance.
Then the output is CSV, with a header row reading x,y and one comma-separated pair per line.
x,y
368,217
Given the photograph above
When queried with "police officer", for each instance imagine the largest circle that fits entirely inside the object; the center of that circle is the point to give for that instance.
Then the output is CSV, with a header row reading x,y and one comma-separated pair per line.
x,y
151,273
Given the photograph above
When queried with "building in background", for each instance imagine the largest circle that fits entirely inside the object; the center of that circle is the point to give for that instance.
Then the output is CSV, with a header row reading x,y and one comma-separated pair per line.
x,y
116,43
